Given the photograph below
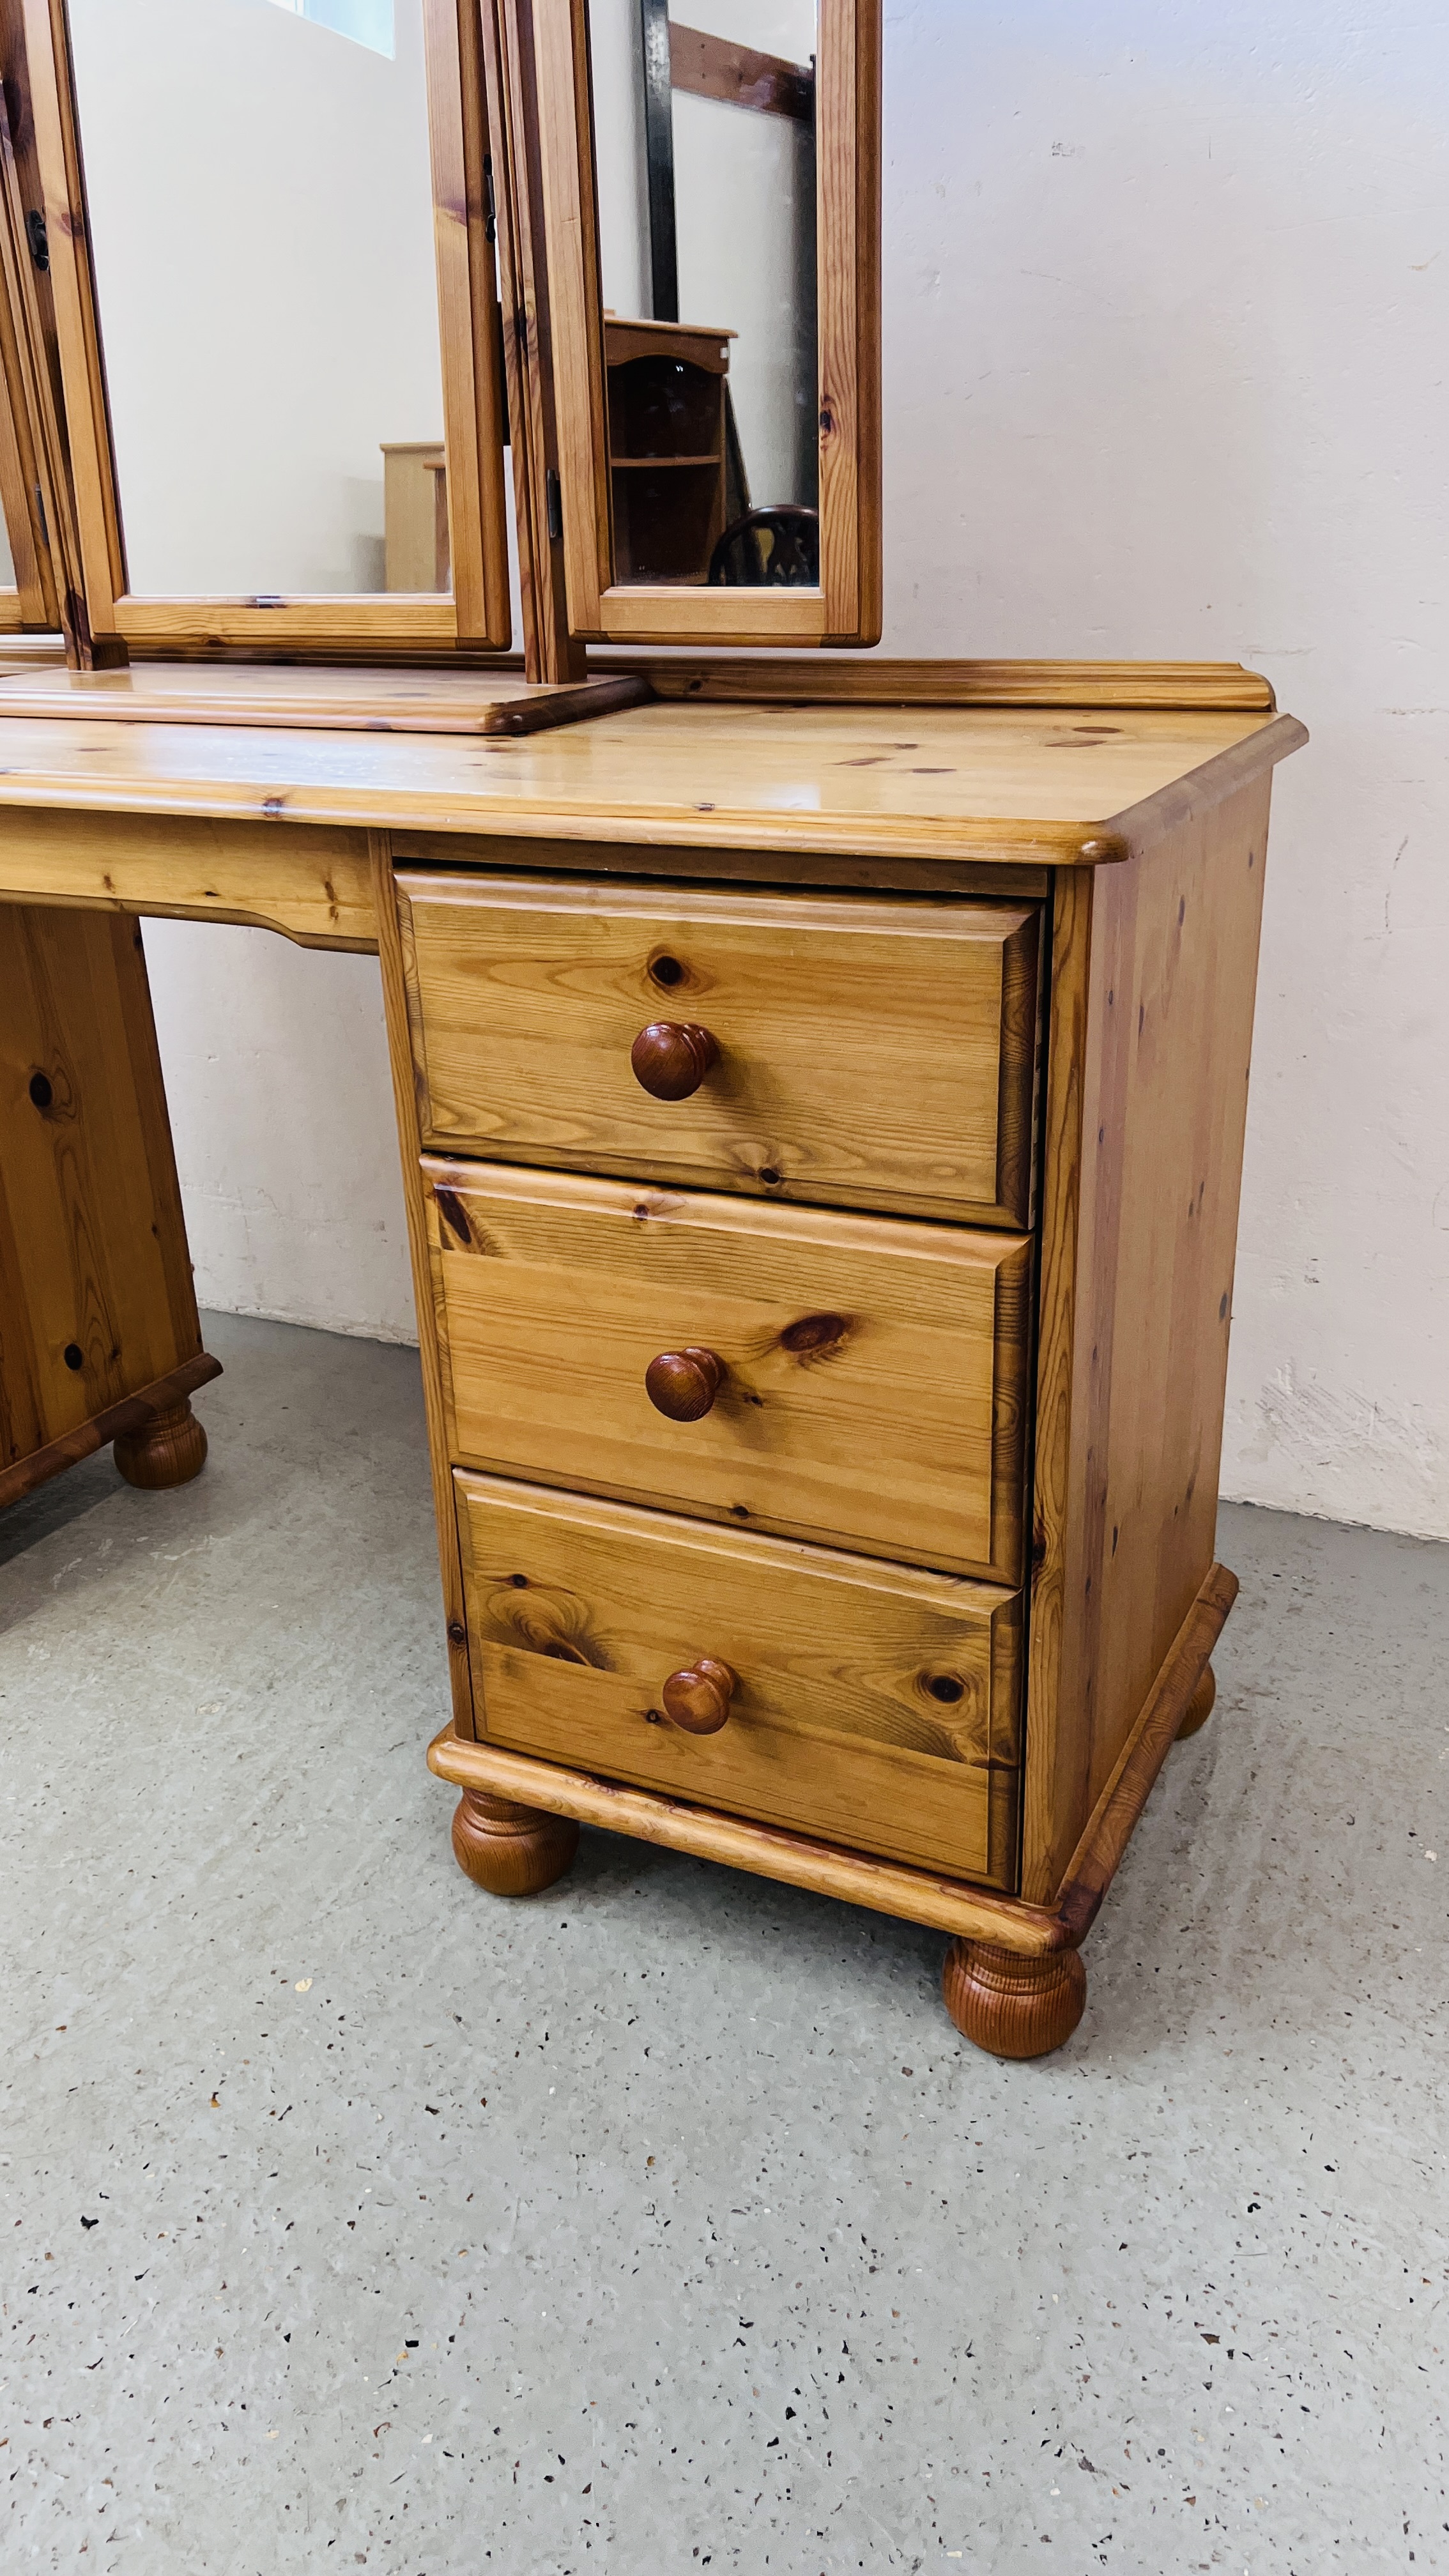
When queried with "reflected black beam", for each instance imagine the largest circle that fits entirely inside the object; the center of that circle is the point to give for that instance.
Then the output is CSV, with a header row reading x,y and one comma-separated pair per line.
x,y
659,157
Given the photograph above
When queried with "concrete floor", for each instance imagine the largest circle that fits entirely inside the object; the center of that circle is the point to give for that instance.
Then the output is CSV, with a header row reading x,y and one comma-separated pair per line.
x,y
664,2222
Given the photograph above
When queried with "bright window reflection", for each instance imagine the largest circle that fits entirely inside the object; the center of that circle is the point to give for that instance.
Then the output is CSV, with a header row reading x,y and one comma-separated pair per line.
x,y
367,22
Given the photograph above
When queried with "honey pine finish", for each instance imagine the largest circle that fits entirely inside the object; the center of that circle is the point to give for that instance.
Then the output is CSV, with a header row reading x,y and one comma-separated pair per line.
x,y
99,1335
822,1128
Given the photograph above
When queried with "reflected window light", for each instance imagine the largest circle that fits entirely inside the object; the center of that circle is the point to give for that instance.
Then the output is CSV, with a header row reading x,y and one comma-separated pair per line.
x,y
366,22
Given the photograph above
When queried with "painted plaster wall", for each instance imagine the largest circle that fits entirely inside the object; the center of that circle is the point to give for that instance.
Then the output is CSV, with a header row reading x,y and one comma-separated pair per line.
x,y
1167,300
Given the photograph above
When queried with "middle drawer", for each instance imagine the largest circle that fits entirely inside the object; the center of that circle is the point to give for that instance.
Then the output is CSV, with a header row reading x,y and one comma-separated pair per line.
x,y
852,1379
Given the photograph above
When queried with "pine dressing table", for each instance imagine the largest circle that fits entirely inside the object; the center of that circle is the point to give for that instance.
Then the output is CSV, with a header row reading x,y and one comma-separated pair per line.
x,y
821,1126
820,1081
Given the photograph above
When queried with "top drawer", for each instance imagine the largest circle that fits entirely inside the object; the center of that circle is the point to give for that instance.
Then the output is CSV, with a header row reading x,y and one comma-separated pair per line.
x,y
866,1052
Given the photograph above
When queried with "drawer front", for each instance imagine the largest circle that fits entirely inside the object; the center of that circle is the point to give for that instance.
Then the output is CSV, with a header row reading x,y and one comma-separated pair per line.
x,y
873,1386
866,1053
875,1707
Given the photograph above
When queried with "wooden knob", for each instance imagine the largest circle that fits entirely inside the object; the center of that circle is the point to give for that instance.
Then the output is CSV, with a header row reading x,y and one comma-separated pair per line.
x,y
671,1058
684,1384
698,1699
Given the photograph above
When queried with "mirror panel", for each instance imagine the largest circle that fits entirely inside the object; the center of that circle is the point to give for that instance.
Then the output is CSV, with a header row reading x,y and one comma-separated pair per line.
x,y
262,233
704,126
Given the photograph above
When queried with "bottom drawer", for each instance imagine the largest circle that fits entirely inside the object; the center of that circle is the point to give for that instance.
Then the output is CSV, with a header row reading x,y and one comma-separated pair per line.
x,y
873,1705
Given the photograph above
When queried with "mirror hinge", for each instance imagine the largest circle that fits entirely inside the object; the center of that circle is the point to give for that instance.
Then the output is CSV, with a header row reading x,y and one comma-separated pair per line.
x,y
553,499
490,219
39,240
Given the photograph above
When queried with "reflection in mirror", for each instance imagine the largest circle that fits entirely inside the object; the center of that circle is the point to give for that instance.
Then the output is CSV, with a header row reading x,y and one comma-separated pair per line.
x,y
704,135
261,222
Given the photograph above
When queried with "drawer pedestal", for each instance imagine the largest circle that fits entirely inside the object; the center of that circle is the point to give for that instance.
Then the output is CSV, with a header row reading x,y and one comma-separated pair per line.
x,y
825,1305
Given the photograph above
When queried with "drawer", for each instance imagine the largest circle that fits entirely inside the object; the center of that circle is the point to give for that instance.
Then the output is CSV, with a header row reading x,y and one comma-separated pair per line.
x,y
873,1706
866,1053
872,1391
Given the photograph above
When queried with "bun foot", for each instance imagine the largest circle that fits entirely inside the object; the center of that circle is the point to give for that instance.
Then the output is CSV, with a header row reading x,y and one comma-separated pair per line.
x,y
1200,1706
512,1851
168,1450
1010,2005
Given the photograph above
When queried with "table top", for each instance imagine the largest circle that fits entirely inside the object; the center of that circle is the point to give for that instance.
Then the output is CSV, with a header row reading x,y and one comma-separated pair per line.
x,y
1064,785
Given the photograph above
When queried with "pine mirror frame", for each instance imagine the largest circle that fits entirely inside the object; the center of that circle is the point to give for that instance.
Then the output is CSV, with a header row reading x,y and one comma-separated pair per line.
x,y
31,603
846,609
33,480
374,626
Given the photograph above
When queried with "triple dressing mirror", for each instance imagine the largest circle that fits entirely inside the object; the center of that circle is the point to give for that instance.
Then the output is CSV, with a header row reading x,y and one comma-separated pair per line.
x,y
278,313
259,244
29,600
712,214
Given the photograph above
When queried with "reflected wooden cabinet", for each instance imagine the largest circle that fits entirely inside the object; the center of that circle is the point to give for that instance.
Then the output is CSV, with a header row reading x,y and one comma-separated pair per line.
x,y
669,429
415,515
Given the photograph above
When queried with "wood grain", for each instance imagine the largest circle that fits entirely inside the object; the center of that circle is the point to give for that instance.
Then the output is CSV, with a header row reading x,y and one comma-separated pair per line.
x,y
1049,1718
963,786
662,612
997,879
699,1698
1200,1707
36,598
311,882
1009,2005
166,1449
88,461
852,1878
709,66
1016,1926
847,164
550,652
1095,1862
683,1384
96,1296
1151,1029
39,514
318,622
554,34
873,1705
847,606
17,482
477,495
670,1058
512,1851
871,1054
317,699
669,493
417,545
109,612
874,1385
880,680
131,1414
425,1299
